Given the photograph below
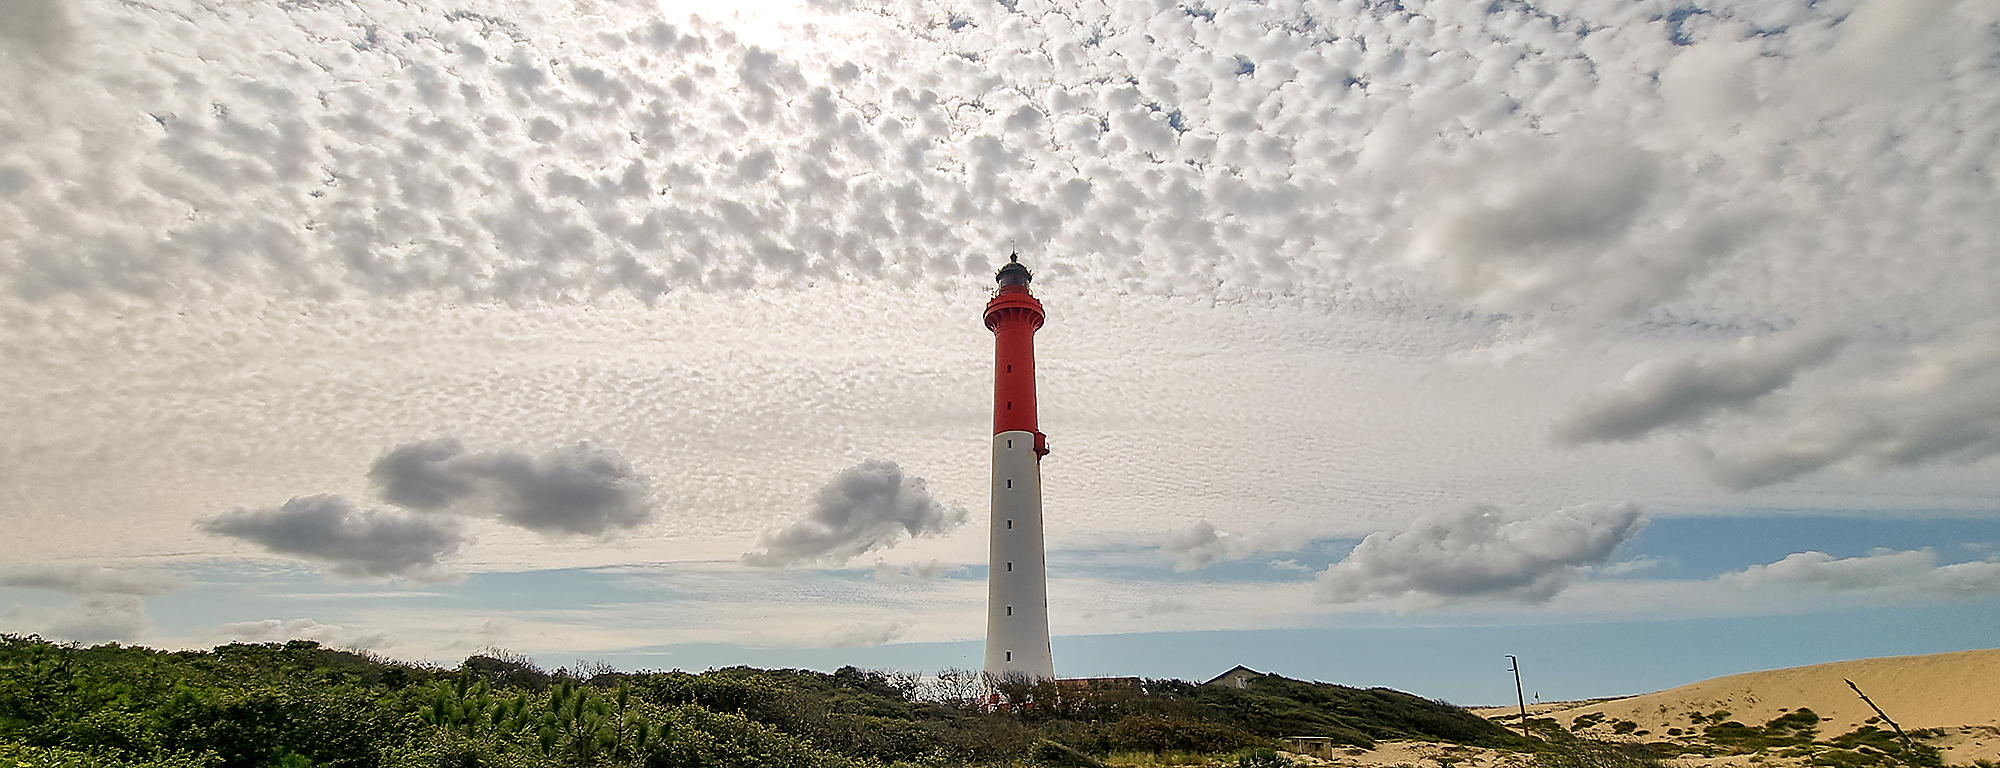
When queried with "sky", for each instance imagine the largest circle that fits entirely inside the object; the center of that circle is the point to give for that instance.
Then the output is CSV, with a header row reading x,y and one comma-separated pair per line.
x,y
1644,340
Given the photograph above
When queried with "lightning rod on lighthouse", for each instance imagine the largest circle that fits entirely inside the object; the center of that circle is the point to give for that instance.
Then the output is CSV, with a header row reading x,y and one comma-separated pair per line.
x,y
1017,595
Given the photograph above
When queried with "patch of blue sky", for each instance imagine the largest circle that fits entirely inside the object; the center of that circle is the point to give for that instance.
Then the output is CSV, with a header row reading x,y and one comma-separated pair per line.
x,y
1465,665
235,592
1706,547
1148,563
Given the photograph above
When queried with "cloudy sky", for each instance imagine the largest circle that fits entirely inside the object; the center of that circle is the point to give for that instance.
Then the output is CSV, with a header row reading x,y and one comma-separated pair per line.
x,y
1646,340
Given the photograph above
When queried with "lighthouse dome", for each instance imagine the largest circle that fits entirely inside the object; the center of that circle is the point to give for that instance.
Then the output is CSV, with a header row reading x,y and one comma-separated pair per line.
x,y
1013,273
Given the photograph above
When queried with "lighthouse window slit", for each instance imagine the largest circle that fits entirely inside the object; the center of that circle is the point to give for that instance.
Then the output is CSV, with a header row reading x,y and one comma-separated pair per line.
x,y
1010,525
1010,369
1010,567
1010,655
1010,610
1010,443
1010,405
1010,482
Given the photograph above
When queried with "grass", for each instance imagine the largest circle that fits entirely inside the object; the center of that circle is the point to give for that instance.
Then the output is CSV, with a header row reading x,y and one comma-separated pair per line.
x,y
1163,759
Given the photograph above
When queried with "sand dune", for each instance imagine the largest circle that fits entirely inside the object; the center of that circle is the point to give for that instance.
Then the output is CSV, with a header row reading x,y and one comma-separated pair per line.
x,y
1956,692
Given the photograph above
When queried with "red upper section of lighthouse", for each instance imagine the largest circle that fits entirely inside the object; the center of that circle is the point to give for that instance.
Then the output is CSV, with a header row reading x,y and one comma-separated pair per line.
x,y
1014,315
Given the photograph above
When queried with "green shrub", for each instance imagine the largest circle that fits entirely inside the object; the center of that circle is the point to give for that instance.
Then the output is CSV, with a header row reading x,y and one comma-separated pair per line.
x,y
1262,757
1159,733
1057,755
1566,751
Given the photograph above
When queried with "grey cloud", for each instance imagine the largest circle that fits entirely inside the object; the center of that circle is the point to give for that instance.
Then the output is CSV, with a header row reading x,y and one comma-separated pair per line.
x,y
583,489
1938,401
99,618
354,542
420,475
869,506
93,580
1684,392
1196,547
1202,545
1535,221
866,634
1908,573
1480,552
108,604
39,29
112,618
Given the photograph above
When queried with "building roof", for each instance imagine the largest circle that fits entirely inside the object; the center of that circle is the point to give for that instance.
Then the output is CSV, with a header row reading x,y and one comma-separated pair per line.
x,y
1231,673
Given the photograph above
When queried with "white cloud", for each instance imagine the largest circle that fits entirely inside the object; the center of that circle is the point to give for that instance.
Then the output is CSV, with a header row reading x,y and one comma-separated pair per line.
x,y
869,506
1908,573
865,634
1480,552
279,630
88,619
1202,545
924,570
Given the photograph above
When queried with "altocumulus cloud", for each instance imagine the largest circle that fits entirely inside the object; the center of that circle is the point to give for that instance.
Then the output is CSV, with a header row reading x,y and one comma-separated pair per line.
x,y
869,506
1479,551
1497,155
352,541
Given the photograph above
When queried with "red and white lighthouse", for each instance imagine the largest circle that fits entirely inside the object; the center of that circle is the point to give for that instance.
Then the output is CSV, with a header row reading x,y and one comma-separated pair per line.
x,y
1017,591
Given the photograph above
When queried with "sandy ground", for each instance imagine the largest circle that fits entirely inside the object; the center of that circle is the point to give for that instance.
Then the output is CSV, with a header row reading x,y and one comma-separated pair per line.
x,y
1958,693
1420,754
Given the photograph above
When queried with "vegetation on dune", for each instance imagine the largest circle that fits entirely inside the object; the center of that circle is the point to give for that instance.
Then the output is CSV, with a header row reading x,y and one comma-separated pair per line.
x,y
1794,736
297,705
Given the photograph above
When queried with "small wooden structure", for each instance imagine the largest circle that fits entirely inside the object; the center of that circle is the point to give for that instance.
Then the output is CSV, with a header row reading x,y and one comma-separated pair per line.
x,y
1316,746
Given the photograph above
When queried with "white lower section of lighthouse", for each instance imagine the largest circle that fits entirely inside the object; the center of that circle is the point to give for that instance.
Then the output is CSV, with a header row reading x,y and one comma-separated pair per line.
x,y
1017,589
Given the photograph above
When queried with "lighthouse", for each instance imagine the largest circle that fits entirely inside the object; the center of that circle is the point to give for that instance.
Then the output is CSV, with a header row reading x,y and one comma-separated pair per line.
x,y
1017,584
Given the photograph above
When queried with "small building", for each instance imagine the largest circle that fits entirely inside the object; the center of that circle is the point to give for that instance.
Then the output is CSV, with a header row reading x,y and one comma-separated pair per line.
x,y
1316,746
1238,676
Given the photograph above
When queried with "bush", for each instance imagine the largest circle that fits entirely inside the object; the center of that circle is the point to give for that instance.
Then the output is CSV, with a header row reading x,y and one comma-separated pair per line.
x,y
1565,751
1049,753
1157,733
1262,757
